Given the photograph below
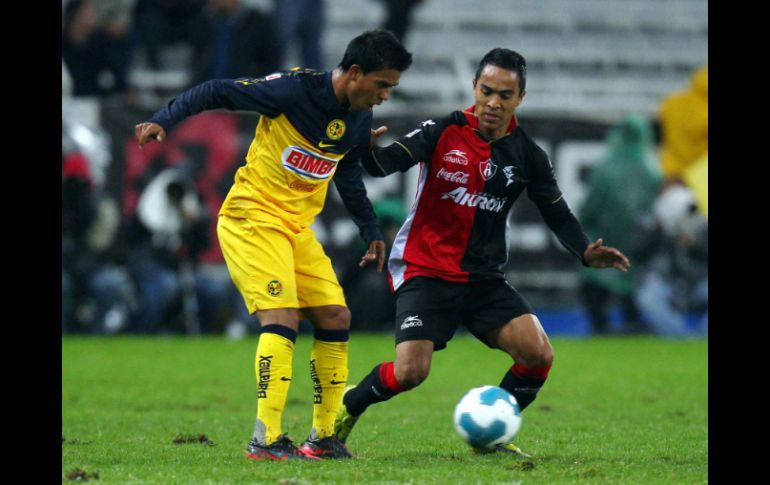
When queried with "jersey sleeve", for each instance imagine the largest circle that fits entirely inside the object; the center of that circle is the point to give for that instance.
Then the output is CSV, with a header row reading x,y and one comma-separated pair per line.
x,y
547,196
269,96
414,147
350,184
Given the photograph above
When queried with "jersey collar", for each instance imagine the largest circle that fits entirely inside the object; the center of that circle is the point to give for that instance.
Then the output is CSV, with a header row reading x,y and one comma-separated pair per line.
x,y
473,120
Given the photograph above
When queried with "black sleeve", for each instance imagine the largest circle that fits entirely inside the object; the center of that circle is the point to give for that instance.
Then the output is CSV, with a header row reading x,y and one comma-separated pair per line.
x,y
414,147
545,193
269,96
350,185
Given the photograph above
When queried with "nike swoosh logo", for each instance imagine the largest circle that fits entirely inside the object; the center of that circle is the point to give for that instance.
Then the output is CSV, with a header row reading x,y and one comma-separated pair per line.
x,y
325,145
337,382
284,378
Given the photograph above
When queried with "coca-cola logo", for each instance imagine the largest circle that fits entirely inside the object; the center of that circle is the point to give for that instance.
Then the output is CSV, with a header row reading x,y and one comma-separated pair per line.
x,y
456,156
458,177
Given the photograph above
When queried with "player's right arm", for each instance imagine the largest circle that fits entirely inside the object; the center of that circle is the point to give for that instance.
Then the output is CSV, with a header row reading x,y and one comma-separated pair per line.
x,y
268,97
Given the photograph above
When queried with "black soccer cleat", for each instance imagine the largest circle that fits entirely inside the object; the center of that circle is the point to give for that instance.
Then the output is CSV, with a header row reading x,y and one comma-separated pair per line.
x,y
329,447
281,449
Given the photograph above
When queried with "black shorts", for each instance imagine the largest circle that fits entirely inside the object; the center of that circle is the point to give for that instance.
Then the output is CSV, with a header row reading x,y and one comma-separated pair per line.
x,y
432,309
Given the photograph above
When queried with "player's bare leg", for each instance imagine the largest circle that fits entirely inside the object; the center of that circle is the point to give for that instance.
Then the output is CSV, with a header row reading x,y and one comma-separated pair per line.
x,y
411,368
524,339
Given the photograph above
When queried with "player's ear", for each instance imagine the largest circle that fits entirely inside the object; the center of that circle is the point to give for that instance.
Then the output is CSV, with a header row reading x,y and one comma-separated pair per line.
x,y
355,72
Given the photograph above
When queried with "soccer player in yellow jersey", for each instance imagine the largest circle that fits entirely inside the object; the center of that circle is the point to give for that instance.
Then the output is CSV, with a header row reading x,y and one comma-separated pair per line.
x,y
313,128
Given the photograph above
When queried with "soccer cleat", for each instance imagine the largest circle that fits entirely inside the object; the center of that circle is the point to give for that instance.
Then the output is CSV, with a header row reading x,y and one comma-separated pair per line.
x,y
512,449
344,422
329,447
509,448
281,449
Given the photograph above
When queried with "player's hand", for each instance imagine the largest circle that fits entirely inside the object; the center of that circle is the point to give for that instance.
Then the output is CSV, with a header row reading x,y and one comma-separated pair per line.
x,y
376,252
376,134
146,132
598,256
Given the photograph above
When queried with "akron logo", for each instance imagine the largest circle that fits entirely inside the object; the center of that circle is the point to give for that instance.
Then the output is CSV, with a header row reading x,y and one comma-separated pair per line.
x,y
335,129
274,288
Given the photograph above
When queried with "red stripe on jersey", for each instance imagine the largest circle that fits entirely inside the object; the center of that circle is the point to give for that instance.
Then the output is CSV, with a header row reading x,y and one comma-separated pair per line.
x,y
443,221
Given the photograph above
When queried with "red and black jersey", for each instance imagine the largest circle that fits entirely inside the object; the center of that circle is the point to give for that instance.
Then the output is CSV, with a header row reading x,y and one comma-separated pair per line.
x,y
457,227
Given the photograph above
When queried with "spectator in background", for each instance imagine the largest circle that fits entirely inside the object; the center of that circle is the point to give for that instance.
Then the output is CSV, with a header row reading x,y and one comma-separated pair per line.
x,y
673,255
232,41
398,17
97,293
159,23
303,22
684,119
164,238
96,57
621,190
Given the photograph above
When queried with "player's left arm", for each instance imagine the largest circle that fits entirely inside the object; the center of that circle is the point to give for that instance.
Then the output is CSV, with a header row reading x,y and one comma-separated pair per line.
x,y
544,192
350,185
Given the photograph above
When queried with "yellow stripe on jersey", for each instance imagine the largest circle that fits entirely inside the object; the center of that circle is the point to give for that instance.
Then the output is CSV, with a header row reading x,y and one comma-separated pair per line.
x,y
285,178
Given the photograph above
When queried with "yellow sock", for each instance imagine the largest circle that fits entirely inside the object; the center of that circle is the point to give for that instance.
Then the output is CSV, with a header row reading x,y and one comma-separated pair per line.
x,y
273,367
329,373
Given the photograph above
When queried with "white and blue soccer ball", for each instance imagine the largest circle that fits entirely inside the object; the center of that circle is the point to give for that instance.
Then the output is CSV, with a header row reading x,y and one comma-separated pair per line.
x,y
487,416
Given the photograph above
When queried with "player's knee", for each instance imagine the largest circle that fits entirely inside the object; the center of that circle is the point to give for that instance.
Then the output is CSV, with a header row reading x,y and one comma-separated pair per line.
x,y
335,317
539,356
342,318
411,375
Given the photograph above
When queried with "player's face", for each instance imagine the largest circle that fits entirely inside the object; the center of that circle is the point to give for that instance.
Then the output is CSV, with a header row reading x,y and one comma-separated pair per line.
x,y
497,94
372,88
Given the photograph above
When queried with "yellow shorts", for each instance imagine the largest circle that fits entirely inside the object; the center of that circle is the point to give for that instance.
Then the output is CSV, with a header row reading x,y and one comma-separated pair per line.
x,y
274,267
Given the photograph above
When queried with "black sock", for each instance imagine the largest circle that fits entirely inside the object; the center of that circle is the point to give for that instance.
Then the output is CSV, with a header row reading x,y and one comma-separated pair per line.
x,y
378,386
524,383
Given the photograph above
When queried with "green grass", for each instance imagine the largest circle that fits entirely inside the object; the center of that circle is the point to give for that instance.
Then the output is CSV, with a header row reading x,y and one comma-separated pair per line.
x,y
614,410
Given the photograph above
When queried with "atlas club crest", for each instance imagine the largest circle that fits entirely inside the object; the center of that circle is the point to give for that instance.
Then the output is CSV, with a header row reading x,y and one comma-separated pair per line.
x,y
488,169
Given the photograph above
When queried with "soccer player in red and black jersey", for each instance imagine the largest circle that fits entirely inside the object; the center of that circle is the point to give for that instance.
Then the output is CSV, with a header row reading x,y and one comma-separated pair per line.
x,y
446,262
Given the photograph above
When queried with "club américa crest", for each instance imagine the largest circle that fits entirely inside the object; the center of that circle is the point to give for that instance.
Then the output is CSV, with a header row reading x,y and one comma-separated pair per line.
x,y
335,129
274,288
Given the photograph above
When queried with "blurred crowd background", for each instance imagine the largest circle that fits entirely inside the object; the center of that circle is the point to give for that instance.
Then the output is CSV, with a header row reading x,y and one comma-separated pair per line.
x,y
617,94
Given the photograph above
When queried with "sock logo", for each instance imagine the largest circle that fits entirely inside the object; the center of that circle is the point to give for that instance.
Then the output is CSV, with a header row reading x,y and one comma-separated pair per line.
x,y
337,382
264,375
317,389
527,390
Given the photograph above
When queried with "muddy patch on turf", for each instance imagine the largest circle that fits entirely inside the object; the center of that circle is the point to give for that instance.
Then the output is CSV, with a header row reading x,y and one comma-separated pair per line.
x,y
80,475
182,439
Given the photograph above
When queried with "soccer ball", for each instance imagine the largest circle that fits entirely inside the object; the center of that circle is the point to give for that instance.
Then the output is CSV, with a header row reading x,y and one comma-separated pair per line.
x,y
487,416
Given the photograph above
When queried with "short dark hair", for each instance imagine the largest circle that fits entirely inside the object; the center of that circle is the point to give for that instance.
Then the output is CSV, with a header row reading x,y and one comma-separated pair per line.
x,y
507,59
375,50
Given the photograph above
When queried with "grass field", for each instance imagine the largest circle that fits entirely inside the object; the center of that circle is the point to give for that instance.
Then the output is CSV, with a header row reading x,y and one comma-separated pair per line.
x,y
615,410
